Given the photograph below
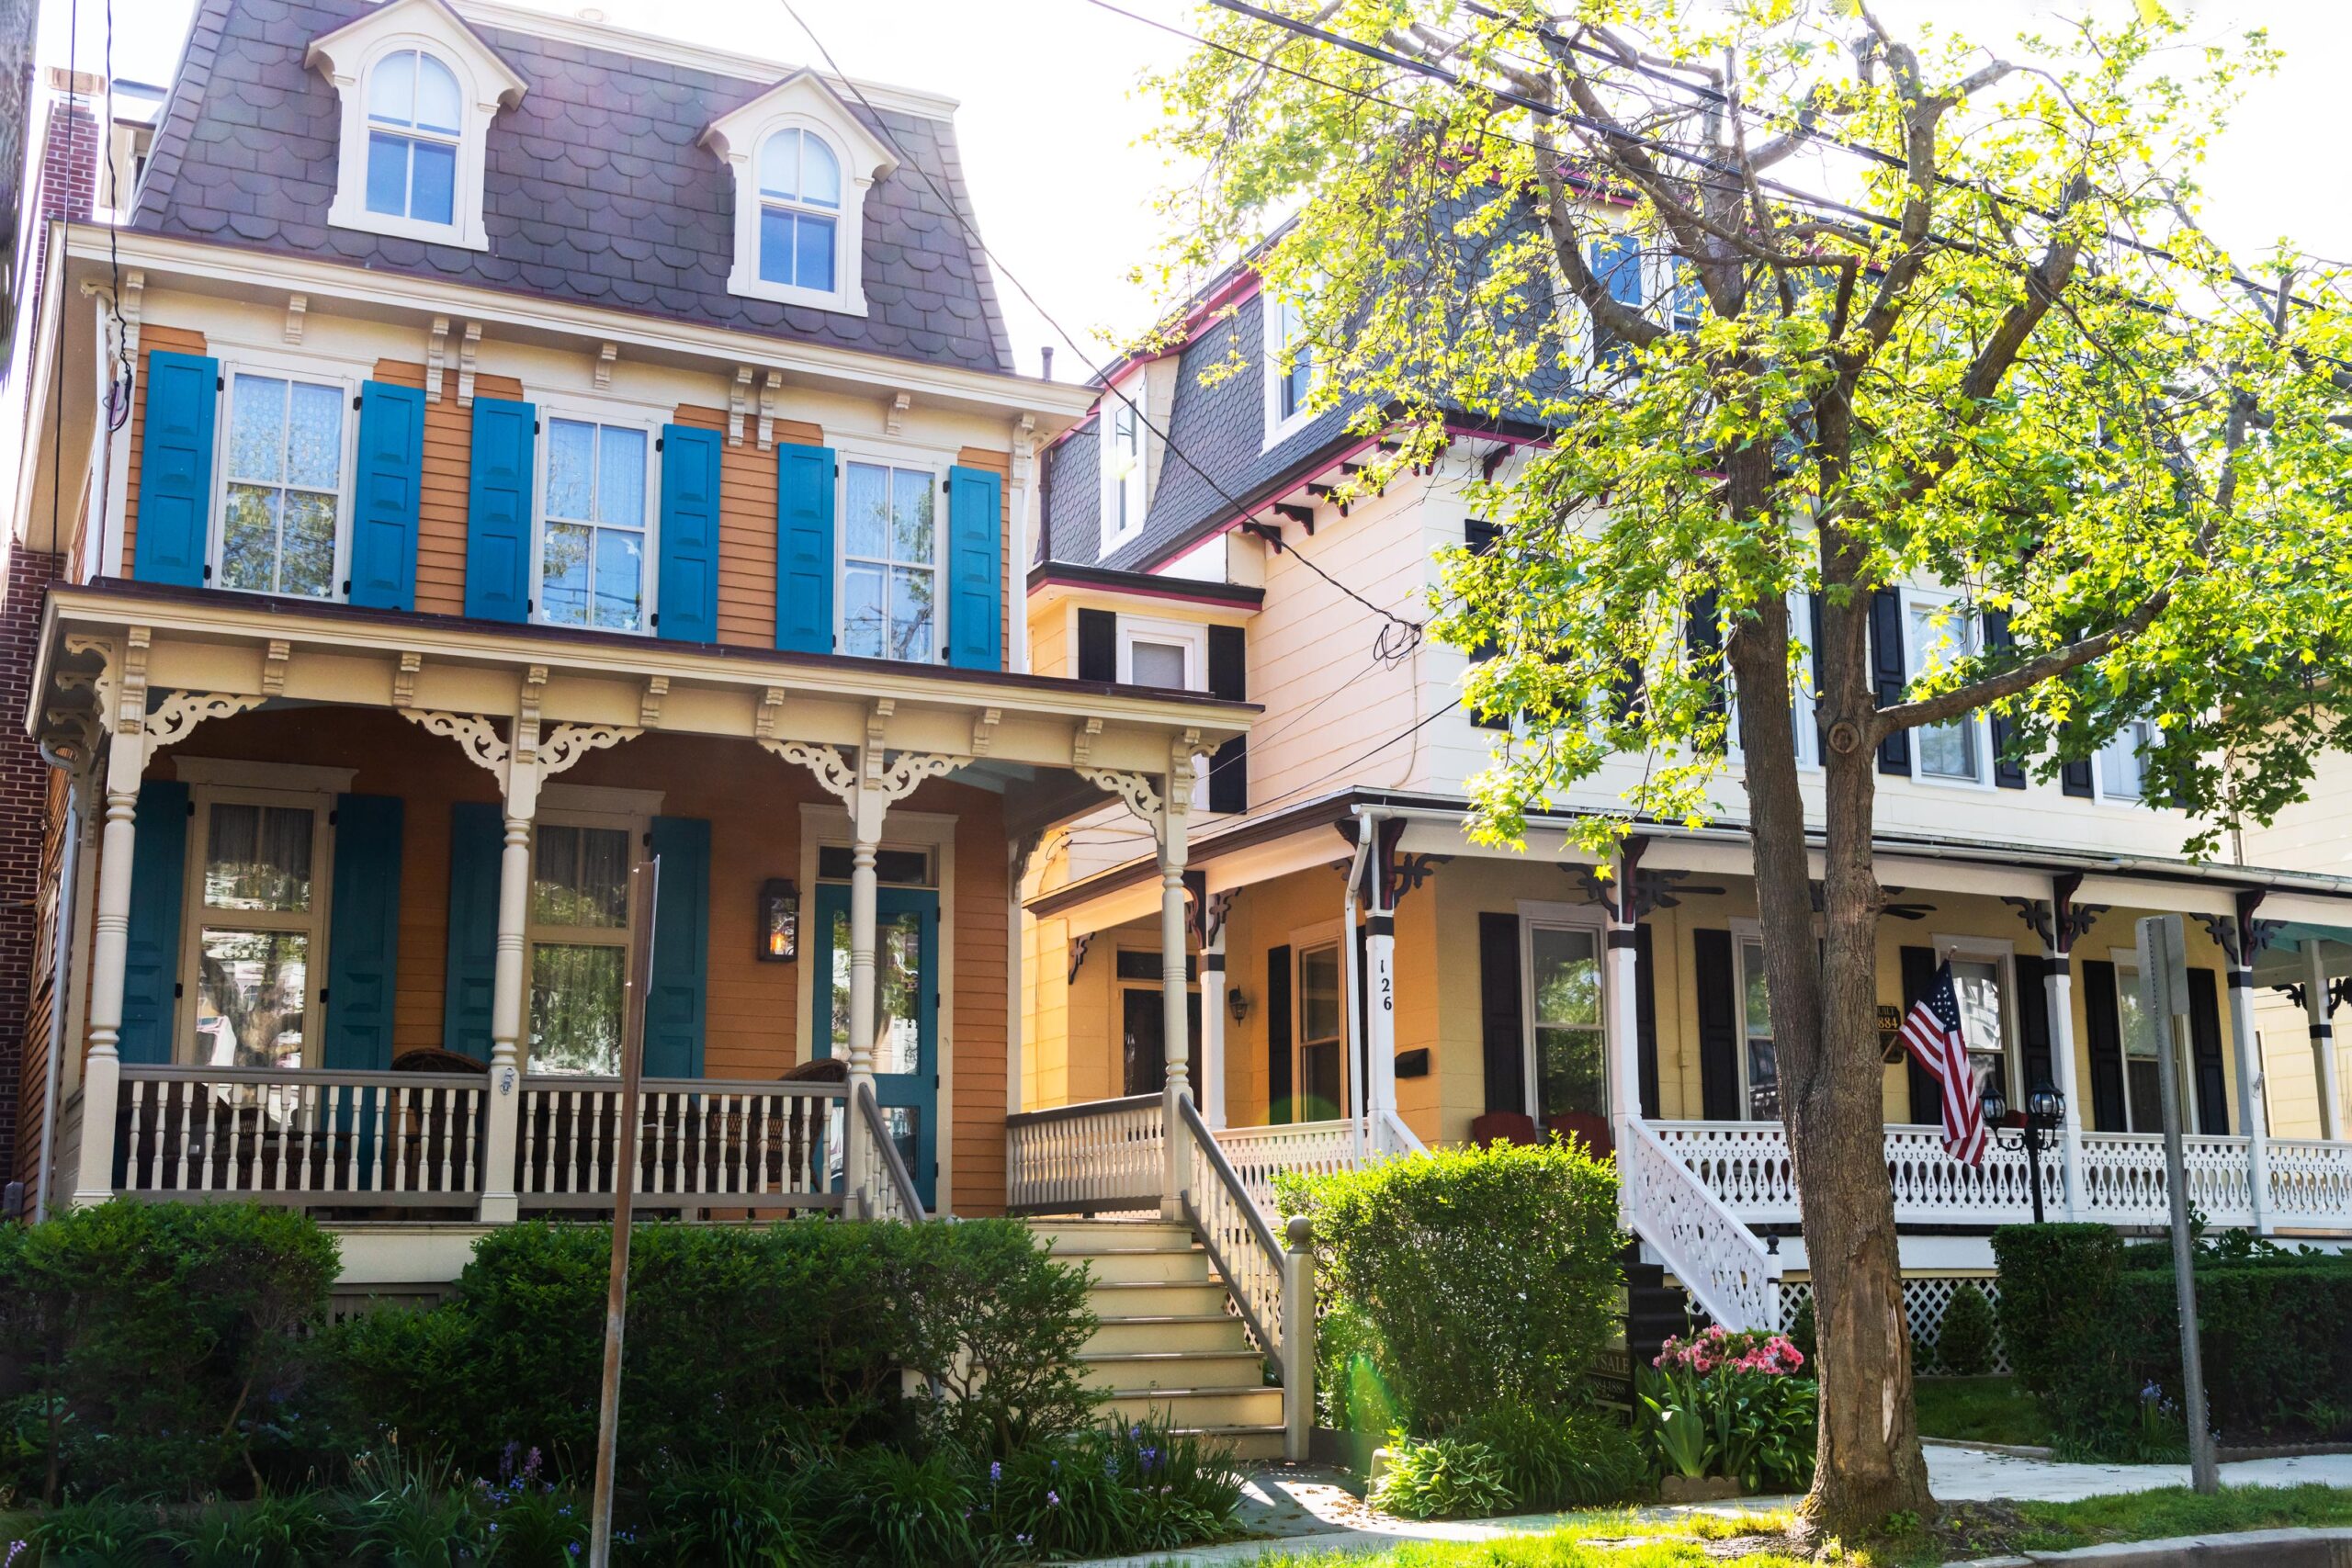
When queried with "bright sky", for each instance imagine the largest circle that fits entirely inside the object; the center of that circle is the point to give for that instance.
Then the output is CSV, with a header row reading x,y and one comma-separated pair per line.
x,y
1050,122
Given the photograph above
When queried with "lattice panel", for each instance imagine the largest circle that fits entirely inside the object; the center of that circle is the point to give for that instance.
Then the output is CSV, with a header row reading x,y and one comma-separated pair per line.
x,y
1926,1299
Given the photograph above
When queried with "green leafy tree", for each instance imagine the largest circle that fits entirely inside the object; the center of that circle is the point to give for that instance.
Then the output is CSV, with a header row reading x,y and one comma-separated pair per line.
x,y
2005,359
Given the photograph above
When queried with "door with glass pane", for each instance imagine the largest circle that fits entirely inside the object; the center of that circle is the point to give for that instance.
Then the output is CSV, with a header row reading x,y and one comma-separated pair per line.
x,y
1757,1062
1568,1067
905,1013
1976,982
577,936
256,937
1319,1073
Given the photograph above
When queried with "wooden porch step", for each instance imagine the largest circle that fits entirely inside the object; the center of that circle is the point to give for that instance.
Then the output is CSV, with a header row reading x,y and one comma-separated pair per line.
x,y
1249,1440
1187,1407
1150,1331
1145,1266
1238,1369
1118,1298
1088,1236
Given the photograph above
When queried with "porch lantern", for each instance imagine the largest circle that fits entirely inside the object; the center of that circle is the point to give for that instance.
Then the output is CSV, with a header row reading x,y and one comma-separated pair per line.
x,y
779,921
2045,1110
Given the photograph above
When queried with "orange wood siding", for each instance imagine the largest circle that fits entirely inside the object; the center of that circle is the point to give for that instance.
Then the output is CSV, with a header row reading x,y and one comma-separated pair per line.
x,y
449,470
982,970
747,526
174,339
43,1002
1000,465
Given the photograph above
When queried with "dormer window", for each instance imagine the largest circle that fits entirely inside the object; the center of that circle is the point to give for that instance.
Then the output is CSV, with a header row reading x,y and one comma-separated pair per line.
x,y
413,126
1290,367
1123,466
800,204
803,162
418,90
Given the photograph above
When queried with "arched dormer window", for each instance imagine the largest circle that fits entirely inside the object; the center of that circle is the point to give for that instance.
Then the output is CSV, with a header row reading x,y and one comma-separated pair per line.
x,y
800,205
802,162
418,90
414,120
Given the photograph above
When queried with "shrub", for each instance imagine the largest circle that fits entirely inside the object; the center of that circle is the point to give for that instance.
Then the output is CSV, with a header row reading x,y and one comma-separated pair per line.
x,y
1485,1275
104,1528
1965,1345
2057,1318
736,1513
1442,1478
1110,1491
161,1341
1577,1460
882,1506
276,1529
995,1326
1803,1331
408,1511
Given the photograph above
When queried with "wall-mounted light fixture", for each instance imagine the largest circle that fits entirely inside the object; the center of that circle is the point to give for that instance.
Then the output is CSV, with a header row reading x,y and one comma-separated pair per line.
x,y
1237,1002
779,921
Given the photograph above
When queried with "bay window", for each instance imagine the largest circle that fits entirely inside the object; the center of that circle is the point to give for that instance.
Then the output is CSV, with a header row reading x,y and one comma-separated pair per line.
x,y
281,503
889,563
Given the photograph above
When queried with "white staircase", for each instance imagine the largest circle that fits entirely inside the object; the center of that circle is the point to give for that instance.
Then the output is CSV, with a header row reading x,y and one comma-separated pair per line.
x,y
1168,1343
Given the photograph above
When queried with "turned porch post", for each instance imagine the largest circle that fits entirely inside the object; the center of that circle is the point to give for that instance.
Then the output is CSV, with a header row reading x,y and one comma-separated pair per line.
x,y
109,951
1213,993
503,1120
2247,1048
858,1158
1176,1023
2058,988
1624,1029
2317,1006
1382,836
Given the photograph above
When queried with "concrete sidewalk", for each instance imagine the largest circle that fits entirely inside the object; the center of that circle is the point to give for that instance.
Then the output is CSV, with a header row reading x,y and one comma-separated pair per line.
x,y
1307,1511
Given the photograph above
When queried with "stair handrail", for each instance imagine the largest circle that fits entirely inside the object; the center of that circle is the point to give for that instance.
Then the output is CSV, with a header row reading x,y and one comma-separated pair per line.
x,y
1725,1265
1233,1230
1396,1138
894,1190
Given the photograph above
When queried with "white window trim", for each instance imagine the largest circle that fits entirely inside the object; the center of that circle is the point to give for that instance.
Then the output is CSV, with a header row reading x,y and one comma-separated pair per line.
x,y
288,368
2098,769
1914,662
226,784
618,415
1278,429
2002,954
636,827
1192,635
1322,934
1113,406
803,102
923,459
1577,917
485,84
1743,932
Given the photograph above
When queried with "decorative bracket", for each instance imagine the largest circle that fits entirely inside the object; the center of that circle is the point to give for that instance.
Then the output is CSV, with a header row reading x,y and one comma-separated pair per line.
x,y
868,789
177,715
476,736
1135,789
296,306
273,667
567,743
466,349
1412,871
649,702
908,768
877,716
404,680
984,725
2035,913
2223,928
894,423
436,357
2079,920
768,391
604,357
833,772
1081,744
1078,946
739,403
771,709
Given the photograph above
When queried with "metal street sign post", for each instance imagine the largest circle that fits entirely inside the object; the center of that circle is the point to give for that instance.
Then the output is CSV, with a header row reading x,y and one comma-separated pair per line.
x,y
2163,990
644,880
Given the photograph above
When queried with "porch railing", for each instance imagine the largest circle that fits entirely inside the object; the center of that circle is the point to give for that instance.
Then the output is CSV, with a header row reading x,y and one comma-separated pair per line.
x,y
1724,1264
887,1191
1099,1157
701,1143
304,1136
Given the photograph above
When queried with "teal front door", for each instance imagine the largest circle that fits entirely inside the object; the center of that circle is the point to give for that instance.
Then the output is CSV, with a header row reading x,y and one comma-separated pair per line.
x,y
905,1013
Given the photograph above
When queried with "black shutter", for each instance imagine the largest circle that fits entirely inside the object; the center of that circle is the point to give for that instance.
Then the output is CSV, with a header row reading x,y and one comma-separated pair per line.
x,y
2075,778
1498,1012
1278,1105
1702,638
1646,1019
1918,974
1230,679
2103,1023
2205,1052
2033,1019
1718,1010
1478,537
2007,772
1889,675
1098,645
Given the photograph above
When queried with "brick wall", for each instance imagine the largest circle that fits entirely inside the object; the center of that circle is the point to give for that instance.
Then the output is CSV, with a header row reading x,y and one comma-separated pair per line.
x,y
69,177
24,811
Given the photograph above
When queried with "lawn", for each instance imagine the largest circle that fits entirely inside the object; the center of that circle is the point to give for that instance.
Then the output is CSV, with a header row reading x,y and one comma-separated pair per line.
x,y
1979,1410
1622,1540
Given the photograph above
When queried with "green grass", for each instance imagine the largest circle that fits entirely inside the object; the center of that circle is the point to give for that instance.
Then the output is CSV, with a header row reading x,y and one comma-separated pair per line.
x,y
1617,1539
1979,1410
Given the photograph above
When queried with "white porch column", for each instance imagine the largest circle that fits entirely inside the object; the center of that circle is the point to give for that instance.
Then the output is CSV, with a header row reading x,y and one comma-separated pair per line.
x,y
503,1120
2316,1007
110,949
2248,1050
1623,1025
1380,981
1176,1022
1212,992
863,886
2058,988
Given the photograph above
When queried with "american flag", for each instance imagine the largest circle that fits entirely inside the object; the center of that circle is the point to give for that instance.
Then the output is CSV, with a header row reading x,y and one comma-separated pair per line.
x,y
1932,1033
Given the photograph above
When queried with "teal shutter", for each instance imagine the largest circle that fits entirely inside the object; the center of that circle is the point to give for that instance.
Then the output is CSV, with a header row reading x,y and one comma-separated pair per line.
x,y
674,1005
364,933
498,511
176,468
804,548
151,969
384,499
689,568
974,574
477,839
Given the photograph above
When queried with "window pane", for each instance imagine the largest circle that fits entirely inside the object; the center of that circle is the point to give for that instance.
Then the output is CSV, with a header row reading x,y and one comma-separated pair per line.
x,y
392,89
257,857
1156,664
572,457
563,574
898,978
1297,384
911,516
1755,1006
314,436
575,1008
2123,771
812,253
780,164
436,96
250,991
580,877
820,172
306,564
387,174
249,539
1568,1072
868,523
862,612
1319,989
2139,1040
1567,975
620,580
434,197
910,612
1319,1083
620,476
1978,984
257,429
776,245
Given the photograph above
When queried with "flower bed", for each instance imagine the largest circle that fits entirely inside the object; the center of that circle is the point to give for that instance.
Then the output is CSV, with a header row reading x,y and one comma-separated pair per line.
x,y
1733,1407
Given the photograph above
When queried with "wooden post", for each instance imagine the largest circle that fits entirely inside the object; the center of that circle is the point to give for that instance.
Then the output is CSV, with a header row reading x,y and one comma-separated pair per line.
x,y
644,881
2163,987
1298,1338
110,942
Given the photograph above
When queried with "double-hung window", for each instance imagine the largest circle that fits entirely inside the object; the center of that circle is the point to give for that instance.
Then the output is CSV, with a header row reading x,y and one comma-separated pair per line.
x,y
1943,633
2123,763
282,485
1979,980
578,940
1123,469
1318,1076
1759,1065
413,122
1290,367
889,563
592,546
801,207
256,938
1566,1061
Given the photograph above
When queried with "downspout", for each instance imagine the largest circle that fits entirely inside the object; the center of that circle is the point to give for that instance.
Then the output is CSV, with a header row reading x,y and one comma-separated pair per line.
x,y
60,948
1364,831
